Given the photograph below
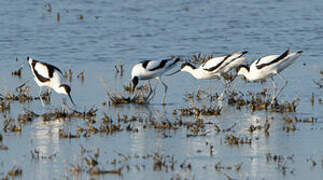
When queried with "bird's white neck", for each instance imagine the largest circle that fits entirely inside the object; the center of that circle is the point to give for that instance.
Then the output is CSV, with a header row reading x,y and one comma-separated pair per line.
x,y
60,89
197,73
190,70
246,73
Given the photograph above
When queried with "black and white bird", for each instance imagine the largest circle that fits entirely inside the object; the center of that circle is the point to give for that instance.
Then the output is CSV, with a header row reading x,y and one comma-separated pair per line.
x,y
215,67
269,66
152,69
49,76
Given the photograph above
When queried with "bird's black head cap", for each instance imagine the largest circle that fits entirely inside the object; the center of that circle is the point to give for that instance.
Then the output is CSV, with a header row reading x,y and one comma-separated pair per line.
x,y
243,66
68,91
188,64
135,81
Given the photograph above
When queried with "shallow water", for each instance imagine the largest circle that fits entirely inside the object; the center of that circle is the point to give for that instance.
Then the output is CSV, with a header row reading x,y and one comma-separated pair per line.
x,y
125,32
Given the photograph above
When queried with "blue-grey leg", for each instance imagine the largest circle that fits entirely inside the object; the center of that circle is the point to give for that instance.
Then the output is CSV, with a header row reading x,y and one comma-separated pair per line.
x,y
165,90
154,91
273,100
151,93
270,88
284,85
221,97
41,97
150,90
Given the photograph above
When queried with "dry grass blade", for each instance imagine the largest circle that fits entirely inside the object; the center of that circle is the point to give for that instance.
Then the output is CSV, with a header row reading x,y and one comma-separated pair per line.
x,y
200,58
116,98
97,171
19,88
15,172
81,76
18,72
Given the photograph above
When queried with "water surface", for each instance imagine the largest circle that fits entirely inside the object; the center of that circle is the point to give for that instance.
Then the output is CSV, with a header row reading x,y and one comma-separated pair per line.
x,y
125,32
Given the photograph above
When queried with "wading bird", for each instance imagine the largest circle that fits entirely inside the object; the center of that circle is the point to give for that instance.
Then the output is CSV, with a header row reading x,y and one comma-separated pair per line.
x,y
215,67
152,69
49,76
269,66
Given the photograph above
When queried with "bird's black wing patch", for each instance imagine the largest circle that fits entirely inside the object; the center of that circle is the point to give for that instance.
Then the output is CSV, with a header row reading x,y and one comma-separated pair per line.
x,y
39,77
188,64
285,54
51,69
161,65
145,63
175,61
258,61
217,66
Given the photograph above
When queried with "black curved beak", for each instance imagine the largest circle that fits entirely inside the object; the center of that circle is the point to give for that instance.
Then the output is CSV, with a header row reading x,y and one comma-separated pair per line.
x,y
69,95
173,73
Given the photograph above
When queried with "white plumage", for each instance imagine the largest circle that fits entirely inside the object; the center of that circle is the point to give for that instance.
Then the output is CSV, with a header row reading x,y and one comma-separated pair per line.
x,y
50,76
43,70
268,66
152,69
215,67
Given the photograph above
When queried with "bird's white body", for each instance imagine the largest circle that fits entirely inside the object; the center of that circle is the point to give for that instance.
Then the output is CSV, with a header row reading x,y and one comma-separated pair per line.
x,y
268,66
42,70
215,67
152,69
265,67
50,76
225,63
200,73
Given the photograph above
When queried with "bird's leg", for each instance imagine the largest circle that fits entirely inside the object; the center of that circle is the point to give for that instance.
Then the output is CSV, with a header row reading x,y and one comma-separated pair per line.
x,y
284,85
41,97
228,85
165,90
65,106
150,90
153,92
48,94
233,85
221,97
273,100
273,85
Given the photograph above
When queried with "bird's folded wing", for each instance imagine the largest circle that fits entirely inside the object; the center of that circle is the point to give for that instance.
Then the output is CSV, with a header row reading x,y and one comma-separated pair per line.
x,y
271,59
156,65
46,70
214,63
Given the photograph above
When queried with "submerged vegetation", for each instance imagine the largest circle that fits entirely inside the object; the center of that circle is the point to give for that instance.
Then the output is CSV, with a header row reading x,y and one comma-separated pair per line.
x,y
200,117
128,135
137,96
